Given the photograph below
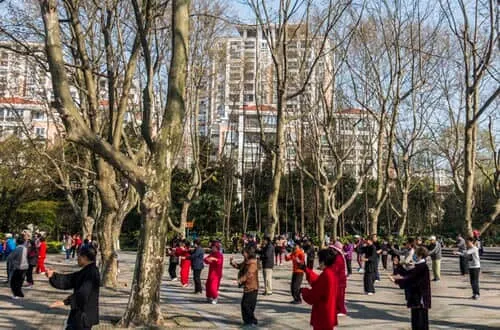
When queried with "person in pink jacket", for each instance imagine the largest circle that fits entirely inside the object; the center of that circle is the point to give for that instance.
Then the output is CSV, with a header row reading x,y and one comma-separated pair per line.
x,y
215,260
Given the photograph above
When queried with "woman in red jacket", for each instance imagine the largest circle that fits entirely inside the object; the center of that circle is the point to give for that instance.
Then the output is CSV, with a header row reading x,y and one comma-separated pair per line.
x,y
183,253
42,254
341,270
216,261
323,292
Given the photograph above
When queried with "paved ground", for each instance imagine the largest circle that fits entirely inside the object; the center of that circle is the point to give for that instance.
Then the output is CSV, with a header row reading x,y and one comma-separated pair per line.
x,y
452,308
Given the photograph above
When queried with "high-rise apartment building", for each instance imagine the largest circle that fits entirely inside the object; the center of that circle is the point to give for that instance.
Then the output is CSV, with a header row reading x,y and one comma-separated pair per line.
x,y
241,100
24,94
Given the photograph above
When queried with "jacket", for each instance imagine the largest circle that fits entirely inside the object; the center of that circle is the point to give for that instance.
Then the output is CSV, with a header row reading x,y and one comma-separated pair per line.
x,y
42,251
418,286
297,257
435,251
84,301
197,258
348,250
10,245
32,253
323,297
249,276
371,255
18,259
267,256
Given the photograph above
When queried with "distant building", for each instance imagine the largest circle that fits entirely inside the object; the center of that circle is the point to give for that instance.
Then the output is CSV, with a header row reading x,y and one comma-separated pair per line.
x,y
24,93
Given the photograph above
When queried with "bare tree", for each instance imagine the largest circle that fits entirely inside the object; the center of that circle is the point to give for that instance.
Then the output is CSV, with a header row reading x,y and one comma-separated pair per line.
x,y
150,174
492,176
473,24
386,65
290,24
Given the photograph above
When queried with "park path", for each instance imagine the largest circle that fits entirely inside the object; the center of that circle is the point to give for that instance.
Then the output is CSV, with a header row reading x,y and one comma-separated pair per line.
x,y
452,308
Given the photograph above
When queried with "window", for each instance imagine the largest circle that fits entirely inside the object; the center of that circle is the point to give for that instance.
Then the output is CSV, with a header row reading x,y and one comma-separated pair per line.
x,y
38,115
248,98
40,132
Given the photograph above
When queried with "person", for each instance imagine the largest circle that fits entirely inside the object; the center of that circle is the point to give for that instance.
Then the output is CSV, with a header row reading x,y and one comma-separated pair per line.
x,y
252,242
297,257
17,265
477,241
310,253
378,248
197,265
370,259
68,244
474,265
2,249
359,248
32,261
42,254
323,292
348,250
84,302
407,255
10,245
73,246
461,251
340,269
266,256
385,253
173,261
215,260
234,241
183,253
418,285
435,254
248,278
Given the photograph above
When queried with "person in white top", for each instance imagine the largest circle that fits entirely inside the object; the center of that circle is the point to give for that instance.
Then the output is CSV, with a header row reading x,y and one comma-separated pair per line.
x,y
472,256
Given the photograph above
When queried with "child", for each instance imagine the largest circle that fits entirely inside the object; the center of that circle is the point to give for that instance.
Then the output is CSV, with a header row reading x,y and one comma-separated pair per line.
x,y
297,257
248,277
472,256
216,262
417,282
323,292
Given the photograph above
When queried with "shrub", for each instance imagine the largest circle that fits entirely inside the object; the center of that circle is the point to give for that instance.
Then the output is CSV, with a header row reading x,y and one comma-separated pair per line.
x,y
54,247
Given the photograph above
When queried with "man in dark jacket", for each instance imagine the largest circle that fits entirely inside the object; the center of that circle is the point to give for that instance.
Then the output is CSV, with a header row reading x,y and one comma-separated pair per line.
x,y
267,257
32,260
310,253
84,301
371,261
197,265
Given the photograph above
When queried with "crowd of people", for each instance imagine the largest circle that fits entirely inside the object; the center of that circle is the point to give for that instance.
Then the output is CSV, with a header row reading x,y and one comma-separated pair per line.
x,y
325,291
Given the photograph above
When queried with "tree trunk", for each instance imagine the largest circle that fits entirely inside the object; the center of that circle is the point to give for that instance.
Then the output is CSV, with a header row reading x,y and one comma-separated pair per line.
x,y
492,218
106,234
302,204
87,226
404,212
144,302
335,223
184,217
469,164
374,215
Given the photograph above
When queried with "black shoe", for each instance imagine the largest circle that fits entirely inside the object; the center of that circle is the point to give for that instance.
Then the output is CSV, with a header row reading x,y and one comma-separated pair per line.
x,y
295,302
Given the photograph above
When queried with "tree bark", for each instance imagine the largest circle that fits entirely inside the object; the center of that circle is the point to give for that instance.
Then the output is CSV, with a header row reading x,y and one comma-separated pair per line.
x,y
404,212
144,302
492,218
469,165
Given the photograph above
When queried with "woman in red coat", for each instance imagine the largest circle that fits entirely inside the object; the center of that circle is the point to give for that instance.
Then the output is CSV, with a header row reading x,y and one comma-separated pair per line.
x,y
323,292
183,253
42,254
216,262
341,270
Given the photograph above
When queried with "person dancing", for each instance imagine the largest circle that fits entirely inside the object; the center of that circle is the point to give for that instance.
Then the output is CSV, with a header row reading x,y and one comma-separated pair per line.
x,y
215,260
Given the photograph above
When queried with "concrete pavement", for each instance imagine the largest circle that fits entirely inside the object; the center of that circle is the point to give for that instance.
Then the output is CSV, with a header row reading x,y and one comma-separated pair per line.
x,y
452,308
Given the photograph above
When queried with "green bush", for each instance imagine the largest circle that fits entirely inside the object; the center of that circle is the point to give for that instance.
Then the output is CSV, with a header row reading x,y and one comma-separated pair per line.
x,y
54,247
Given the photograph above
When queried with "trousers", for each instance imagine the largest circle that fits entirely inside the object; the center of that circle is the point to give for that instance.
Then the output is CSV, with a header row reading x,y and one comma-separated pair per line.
x,y
248,303
419,319
16,282
368,281
268,280
295,286
197,280
474,280
436,269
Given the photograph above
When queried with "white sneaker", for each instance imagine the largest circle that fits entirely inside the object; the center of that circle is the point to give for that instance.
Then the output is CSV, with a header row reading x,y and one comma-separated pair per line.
x,y
42,273
341,314
370,293
16,297
214,302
